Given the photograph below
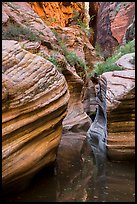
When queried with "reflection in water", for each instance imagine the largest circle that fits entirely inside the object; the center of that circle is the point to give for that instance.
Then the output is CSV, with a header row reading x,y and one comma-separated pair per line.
x,y
73,179
84,177
100,177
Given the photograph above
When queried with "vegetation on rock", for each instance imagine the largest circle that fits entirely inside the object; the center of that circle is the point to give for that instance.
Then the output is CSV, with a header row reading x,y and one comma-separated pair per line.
x,y
54,60
109,64
16,32
72,58
76,20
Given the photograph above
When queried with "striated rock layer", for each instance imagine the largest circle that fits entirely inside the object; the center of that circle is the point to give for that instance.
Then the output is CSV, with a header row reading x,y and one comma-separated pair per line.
x,y
34,102
121,112
121,129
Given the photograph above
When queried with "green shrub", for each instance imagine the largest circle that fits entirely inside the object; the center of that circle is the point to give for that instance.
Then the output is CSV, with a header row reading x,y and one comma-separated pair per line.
x,y
15,32
83,26
100,68
99,50
55,32
78,21
53,59
127,48
63,46
73,59
109,64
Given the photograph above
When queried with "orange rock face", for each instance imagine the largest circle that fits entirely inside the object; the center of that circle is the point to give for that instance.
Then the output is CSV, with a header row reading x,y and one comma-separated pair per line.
x,y
56,13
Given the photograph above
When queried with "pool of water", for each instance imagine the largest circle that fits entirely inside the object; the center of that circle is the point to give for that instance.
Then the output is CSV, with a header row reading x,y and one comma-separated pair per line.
x,y
81,179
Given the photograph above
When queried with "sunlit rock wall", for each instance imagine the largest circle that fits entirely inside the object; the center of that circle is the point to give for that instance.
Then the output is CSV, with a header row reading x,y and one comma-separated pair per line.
x,y
57,13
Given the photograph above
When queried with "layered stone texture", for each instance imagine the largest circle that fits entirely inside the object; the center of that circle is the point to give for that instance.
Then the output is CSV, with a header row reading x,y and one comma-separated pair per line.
x,y
121,112
34,102
113,21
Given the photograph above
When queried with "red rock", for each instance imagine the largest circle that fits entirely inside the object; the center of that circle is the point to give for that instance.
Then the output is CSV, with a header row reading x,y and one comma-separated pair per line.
x,y
122,20
113,21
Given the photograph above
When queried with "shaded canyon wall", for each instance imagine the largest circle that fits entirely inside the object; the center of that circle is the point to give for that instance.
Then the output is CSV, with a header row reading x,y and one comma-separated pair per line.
x,y
113,21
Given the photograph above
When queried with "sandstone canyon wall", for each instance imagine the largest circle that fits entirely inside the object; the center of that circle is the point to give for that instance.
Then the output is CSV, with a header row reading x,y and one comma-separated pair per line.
x,y
57,13
34,102
40,96
113,21
35,93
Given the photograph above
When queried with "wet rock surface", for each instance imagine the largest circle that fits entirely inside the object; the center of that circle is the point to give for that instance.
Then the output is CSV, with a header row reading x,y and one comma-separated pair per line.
x,y
97,133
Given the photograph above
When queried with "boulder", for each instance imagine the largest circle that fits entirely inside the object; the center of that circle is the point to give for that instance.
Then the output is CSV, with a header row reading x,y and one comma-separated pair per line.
x,y
126,61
